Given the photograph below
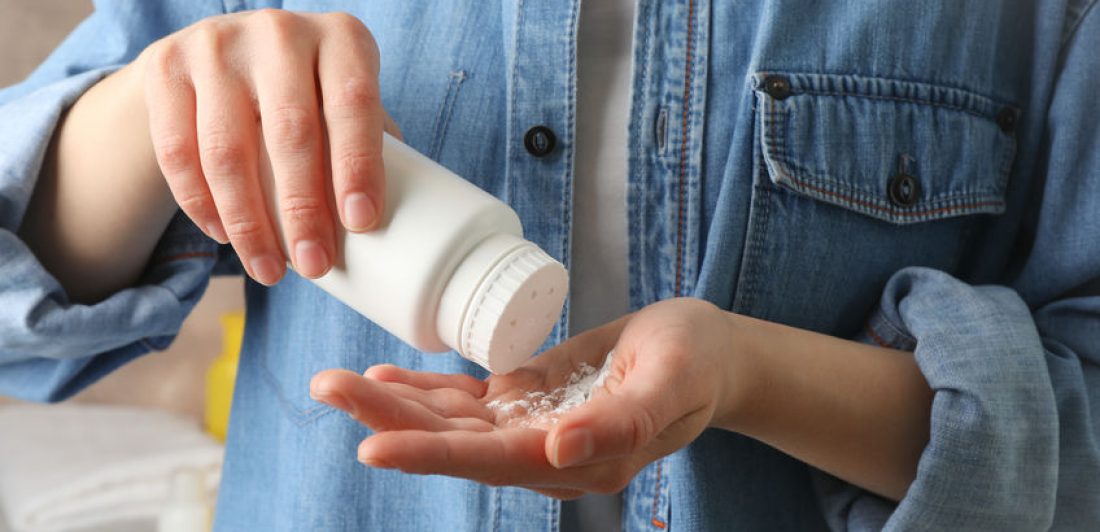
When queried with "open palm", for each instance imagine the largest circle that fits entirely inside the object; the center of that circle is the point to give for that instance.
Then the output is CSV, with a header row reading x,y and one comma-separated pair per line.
x,y
660,392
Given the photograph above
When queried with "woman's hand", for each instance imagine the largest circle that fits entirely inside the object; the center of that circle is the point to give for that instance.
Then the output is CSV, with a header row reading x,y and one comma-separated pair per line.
x,y
860,412
668,380
236,94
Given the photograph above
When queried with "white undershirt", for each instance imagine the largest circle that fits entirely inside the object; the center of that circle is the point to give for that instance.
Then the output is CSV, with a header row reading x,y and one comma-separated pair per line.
x,y
598,273
599,267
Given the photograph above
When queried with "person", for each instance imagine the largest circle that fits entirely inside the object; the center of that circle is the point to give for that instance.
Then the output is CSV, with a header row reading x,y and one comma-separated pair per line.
x,y
860,250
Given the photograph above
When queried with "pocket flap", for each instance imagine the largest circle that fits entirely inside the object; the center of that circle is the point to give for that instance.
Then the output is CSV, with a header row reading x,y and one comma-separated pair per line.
x,y
900,151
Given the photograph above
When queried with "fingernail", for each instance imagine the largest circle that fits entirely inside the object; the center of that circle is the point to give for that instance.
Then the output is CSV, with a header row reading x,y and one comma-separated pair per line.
x,y
265,270
574,447
374,462
216,232
334,400
310,258
359,212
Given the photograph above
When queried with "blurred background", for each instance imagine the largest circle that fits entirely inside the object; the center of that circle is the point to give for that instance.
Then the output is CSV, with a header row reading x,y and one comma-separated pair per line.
x,y
172,381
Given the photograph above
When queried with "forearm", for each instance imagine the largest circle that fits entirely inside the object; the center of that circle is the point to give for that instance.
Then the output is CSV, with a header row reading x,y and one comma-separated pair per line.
x,y
100,204
857,411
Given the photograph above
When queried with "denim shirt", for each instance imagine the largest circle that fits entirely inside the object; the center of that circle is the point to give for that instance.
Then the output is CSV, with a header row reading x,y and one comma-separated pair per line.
x,y
921,175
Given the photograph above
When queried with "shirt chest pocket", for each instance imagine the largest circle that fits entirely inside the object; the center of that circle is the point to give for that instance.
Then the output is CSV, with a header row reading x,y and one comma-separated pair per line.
x,y
859,177
902,152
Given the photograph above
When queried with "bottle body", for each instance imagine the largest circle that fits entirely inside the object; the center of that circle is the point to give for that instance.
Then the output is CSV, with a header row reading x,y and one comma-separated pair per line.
x,y
436,224
396,274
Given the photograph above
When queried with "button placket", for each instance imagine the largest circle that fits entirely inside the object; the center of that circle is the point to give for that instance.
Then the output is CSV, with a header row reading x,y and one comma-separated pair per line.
x,y
540,106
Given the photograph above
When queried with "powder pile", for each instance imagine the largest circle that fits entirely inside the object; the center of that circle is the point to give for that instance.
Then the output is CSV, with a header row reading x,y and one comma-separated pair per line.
x,y
542,409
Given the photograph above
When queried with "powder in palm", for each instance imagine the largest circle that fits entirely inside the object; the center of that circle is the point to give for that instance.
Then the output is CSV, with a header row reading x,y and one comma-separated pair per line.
x,y
540,409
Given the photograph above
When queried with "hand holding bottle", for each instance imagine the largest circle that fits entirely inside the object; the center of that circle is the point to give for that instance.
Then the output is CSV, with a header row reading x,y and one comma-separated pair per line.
x,y
266,124
304,85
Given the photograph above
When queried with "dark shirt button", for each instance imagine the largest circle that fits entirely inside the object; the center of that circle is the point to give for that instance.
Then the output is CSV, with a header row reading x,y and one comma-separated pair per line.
x,y
778,87
540,141
1006,120
903,190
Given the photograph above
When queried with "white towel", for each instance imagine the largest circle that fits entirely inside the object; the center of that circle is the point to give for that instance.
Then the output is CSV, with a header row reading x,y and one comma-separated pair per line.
x,y
73,466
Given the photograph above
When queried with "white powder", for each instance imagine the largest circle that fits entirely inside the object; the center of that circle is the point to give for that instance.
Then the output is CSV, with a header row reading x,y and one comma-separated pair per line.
x,y
540,409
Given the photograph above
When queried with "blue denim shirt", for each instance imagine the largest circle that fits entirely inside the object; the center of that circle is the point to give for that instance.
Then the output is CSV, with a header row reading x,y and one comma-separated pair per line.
x,y
923,175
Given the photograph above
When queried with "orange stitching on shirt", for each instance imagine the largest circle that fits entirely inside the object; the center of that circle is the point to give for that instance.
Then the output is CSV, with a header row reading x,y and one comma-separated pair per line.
x,y
657,497
869,205
878,339
678,289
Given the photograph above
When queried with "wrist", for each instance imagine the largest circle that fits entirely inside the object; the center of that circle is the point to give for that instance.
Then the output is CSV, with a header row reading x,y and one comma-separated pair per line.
x,y
742,381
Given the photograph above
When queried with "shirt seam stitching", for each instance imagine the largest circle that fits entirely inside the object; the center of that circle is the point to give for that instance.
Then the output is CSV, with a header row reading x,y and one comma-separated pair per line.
x,y
684,128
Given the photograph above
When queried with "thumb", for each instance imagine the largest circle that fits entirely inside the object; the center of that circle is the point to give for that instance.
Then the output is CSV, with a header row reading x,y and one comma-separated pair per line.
x,y
610,425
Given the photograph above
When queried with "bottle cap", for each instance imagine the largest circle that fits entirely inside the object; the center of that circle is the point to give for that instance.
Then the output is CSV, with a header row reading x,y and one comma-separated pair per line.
x,y
511,305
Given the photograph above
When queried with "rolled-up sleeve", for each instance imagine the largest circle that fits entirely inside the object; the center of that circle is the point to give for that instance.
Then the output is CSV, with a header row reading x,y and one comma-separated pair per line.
x,y
50,347
1015,424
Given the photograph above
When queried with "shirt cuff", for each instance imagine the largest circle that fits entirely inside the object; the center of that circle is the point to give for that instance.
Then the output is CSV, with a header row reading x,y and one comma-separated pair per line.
x,y
992,458
50,348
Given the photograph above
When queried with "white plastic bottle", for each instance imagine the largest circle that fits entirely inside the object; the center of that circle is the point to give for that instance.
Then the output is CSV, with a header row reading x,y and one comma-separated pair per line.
x,y
448,268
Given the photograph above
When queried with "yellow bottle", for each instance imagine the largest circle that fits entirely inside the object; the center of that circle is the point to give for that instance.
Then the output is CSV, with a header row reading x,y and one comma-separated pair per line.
x,y
222,374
